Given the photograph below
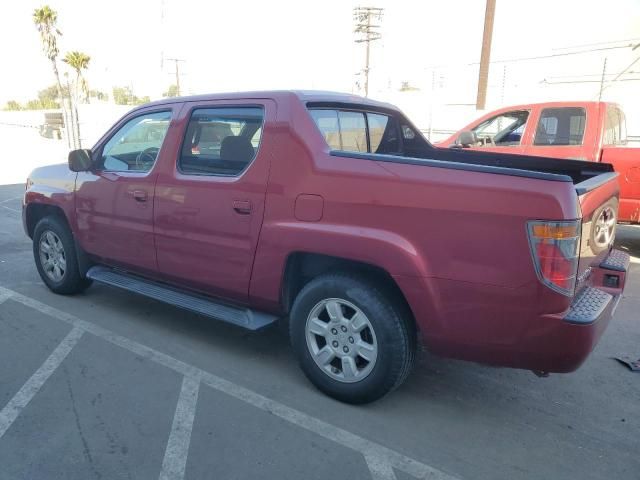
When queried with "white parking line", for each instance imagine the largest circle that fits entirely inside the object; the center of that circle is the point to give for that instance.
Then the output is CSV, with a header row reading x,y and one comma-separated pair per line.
x,y
380,459
21,399
10,209
379,470
175,456
10,199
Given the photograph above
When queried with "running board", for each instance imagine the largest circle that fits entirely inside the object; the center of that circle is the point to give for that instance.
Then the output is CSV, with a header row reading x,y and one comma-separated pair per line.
x,y
242,317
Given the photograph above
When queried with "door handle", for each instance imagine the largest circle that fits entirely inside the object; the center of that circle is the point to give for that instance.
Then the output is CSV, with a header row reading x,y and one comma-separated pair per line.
x,y
139,195
243,207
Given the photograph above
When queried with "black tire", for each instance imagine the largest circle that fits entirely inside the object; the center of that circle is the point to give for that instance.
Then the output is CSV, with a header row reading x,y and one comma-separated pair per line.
x,y
390,320
72,281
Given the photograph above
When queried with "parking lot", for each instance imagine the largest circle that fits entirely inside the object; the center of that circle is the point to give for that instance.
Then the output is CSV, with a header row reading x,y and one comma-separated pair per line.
x,y
110,385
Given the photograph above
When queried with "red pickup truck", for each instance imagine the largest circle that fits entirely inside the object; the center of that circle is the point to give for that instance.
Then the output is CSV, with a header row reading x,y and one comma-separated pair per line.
x,y
593,131
335,213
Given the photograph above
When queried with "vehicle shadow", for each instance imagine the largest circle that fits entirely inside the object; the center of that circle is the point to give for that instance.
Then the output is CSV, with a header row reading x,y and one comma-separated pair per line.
x,y
628,239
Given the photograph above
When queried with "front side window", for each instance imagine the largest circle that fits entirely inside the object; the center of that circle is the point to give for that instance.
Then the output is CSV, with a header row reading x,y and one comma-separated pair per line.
x,y
505,129
135,146
561,126
221,141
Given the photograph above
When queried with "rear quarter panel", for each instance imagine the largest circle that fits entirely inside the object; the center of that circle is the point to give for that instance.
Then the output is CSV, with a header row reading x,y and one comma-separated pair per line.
x,y
626,161
455,241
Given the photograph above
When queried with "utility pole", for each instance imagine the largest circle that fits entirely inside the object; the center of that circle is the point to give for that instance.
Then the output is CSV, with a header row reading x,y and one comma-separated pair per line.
x,y
162,29
363,17
604,87
485,55
604,72
504,83
177,72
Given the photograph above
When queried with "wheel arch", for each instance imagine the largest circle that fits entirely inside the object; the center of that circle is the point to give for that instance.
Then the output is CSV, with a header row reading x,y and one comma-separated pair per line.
x,y
37,211
301,267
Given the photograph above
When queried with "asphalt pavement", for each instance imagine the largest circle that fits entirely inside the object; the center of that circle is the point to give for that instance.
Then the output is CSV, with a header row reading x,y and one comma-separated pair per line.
x,y
109,385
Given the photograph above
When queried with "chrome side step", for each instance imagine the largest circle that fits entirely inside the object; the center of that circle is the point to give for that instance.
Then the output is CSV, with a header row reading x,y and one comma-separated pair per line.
x,y
242,317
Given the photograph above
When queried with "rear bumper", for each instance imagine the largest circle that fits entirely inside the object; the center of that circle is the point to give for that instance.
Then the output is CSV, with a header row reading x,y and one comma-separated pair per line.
x,y
590,313
502,327
569,339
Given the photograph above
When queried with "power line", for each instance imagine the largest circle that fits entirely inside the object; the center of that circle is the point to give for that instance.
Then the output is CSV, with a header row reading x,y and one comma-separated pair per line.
x,y
565,54
368,32
538,57
591,75
630,42
623,71
588,81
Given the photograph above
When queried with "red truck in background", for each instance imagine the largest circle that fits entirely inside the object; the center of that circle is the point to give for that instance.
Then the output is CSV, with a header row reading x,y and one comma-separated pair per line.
x,y
592,131
334,212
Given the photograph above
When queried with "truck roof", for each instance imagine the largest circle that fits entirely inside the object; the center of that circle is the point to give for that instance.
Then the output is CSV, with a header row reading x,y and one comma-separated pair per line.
x,y
302,95
574,103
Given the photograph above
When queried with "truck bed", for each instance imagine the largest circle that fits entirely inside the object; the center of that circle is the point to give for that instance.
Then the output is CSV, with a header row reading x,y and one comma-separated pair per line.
x,y
580,173
578,170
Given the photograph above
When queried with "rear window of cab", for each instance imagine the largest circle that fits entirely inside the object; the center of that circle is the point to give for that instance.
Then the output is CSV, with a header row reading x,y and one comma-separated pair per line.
x,y
362,132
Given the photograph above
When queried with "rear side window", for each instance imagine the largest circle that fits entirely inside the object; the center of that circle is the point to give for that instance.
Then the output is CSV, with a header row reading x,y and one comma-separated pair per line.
x,y
383,133
221,141
615,130
342,130
352,131
561,126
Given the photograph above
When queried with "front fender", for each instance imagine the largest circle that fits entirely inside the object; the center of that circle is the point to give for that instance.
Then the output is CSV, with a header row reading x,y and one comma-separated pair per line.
x,y
51,186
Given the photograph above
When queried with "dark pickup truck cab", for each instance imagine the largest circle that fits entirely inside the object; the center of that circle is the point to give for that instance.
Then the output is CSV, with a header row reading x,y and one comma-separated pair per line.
x,y
333,212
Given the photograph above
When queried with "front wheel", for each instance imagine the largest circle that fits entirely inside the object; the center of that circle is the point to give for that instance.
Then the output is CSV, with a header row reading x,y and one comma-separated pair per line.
x,y
54,252
352,337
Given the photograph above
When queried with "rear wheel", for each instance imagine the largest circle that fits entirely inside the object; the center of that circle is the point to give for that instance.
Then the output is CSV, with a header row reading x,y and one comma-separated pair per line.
x,y
352,337
54,252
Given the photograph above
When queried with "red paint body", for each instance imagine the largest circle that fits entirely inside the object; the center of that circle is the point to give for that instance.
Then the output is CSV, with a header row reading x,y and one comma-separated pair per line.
x,y
595,147
454,241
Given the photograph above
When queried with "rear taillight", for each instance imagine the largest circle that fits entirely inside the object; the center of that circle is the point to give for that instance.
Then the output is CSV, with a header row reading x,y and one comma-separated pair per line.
x,y
555,248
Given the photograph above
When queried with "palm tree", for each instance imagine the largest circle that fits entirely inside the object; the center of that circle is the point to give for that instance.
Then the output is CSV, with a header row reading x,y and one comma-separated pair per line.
x,y
45,20
79,61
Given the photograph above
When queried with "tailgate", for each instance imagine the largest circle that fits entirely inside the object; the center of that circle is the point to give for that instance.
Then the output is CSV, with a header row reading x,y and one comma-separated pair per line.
x,y
599,205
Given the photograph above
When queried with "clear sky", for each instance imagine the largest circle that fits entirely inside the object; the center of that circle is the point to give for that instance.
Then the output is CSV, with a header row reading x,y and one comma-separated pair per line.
x,y
230,45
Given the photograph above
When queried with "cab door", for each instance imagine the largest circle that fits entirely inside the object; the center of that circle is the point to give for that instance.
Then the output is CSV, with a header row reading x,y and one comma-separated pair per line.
x,y
209,201
506,132
114,201
563,132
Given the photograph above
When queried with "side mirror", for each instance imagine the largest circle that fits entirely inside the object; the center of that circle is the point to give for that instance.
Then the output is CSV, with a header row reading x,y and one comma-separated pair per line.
x,y
80,160
467,138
